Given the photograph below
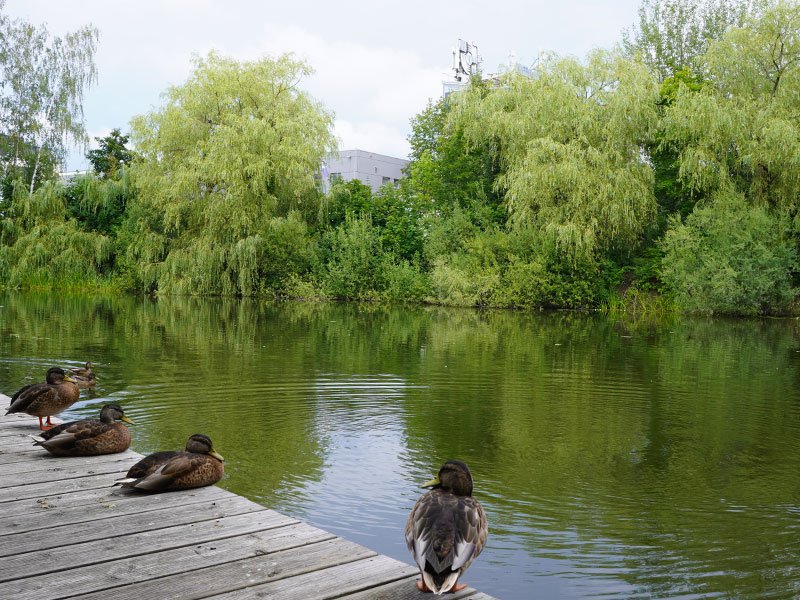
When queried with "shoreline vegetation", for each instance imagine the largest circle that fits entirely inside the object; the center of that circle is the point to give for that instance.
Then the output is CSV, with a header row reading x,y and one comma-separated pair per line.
x,y
655,178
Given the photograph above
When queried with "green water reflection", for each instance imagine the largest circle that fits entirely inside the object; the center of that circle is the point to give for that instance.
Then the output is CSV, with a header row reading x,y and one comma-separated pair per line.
x,y
656,460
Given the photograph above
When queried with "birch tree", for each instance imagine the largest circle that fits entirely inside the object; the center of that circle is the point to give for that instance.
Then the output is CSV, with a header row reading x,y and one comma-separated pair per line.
x,y
43,80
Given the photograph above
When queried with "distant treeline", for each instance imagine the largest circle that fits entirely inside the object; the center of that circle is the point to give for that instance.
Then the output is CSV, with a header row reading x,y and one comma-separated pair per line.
x,y
663,174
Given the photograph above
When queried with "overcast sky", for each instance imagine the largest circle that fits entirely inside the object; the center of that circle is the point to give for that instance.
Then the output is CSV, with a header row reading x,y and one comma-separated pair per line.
x,y
376,63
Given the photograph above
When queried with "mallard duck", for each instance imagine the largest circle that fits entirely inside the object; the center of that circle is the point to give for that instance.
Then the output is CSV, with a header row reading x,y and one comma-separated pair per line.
x,y
198,466
84,376
46,399
89,437
446,529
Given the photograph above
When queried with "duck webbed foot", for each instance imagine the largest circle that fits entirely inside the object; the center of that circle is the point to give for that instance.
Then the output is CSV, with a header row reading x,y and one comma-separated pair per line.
x,y
424,588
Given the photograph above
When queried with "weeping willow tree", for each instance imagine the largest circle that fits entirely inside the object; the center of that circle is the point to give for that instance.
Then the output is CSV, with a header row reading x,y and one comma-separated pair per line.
x,y
571,139
740,137
742,131
227,165
40,247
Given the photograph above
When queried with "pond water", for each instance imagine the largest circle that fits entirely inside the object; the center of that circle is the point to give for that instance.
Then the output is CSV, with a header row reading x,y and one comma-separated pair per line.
x,y
614,460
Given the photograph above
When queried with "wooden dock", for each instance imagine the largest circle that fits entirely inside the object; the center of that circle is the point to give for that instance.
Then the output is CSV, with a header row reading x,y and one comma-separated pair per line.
x,y
66,532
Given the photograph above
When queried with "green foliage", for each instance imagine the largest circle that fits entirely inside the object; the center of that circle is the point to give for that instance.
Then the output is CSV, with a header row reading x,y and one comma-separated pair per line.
x,y
517,270
682,78
42,83
41,248
447,234
234,147
730,258
668,169
400,222
289,253
571,139
674,34
446,173
112,155
393,212
352,268
404,281
345,199
741,131
99,204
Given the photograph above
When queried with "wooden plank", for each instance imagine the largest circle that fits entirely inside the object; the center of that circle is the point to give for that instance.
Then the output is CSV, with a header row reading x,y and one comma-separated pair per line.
x,y
94,578
331,582
404,589
42,461
18,444
36,490
40,514
16,457
54,560
17,543
60,469
64,531
20,423
92,496
9,433
238,575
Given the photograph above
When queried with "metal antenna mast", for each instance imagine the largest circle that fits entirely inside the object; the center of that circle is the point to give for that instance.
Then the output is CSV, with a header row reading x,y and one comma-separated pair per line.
x,y
466,60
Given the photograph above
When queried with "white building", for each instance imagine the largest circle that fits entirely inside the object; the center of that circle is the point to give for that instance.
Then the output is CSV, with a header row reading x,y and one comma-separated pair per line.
x,y
371,168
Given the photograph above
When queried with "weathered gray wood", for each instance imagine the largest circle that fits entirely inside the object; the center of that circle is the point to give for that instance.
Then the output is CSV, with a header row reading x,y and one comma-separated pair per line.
x,y
41,514
19,456
42,461
64,468
9,433
35,490
404,589
17,444
20,422
64,531
330,582
123,460
17,543
108,494
37,563
235,576
95,578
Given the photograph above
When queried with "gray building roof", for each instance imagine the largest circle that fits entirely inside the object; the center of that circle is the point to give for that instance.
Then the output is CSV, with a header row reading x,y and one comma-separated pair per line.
x,y
370,168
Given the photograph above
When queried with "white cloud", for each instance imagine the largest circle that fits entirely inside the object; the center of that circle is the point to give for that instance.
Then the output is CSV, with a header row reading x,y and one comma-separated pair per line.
x,y
376,65
356,80
374,136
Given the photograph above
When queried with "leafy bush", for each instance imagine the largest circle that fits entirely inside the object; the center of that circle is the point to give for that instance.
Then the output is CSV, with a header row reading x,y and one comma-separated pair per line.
x,y
352,263
404,281
730,258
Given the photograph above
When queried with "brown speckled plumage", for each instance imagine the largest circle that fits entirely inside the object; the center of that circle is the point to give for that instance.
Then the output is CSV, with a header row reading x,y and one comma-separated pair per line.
x,y
89,437
84,376
46,399
198,466
447,528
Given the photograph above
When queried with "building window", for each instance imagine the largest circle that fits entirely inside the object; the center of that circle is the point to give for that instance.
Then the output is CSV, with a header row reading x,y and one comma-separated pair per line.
x,y
386,180
335,177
